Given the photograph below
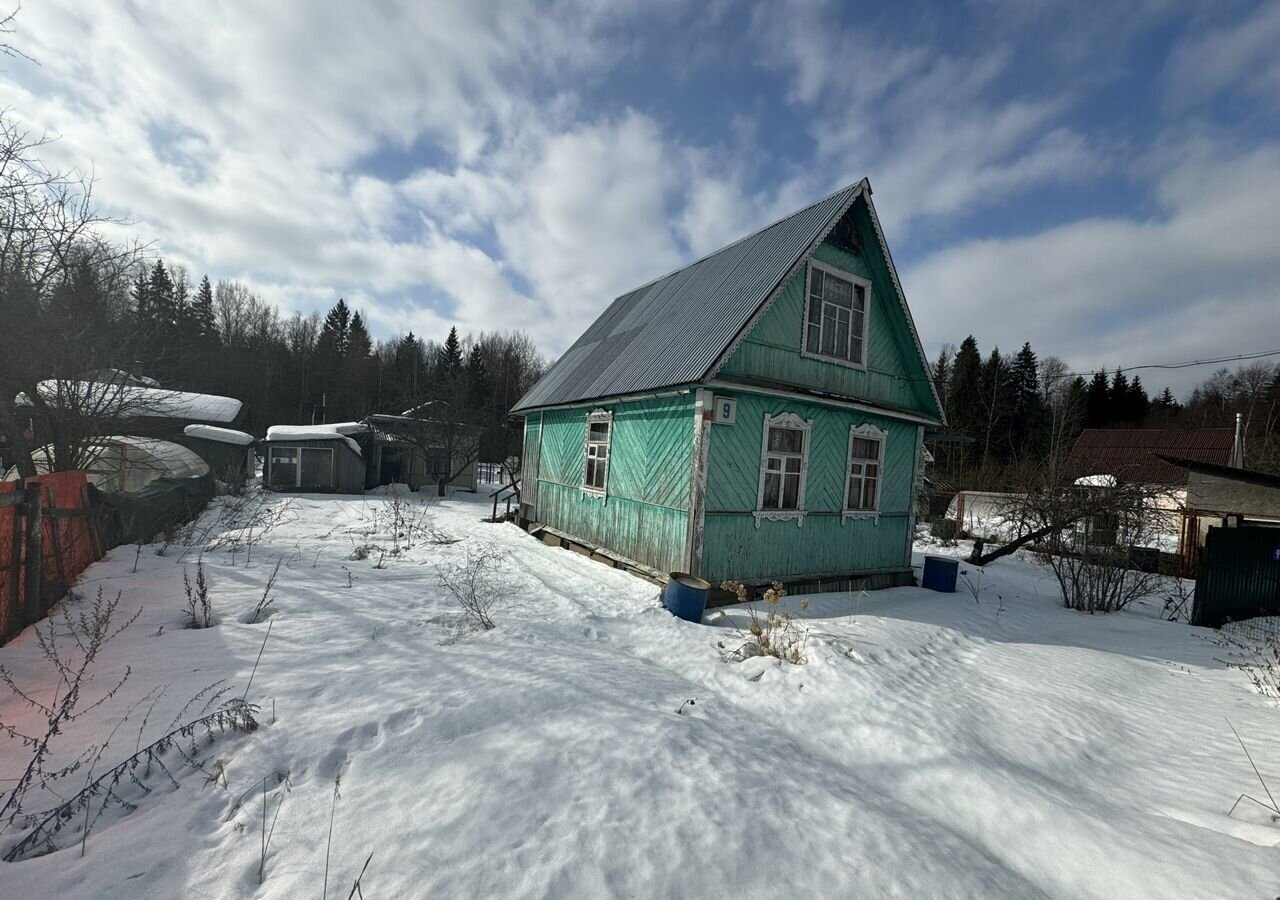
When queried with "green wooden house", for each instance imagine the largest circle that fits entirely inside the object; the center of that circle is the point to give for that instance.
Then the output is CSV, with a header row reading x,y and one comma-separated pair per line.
x,y
756,415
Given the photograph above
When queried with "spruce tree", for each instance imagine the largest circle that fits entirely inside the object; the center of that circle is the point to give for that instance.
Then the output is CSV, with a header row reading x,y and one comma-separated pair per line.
x,y
336,332
164,305
1028,404
206,329
330,358
450,357
965,393
479,389
1118,398
143,314
358,387
1137,404
1097,402
410,371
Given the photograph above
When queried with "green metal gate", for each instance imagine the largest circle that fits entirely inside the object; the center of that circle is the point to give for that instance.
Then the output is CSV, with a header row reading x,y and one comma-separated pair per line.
x,y
1238,575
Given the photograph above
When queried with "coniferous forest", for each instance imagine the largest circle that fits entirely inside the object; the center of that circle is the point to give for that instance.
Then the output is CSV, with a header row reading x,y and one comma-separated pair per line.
x,y
1013,414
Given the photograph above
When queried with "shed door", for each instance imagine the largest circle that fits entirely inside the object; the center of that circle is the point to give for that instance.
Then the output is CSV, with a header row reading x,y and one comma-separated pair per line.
x,y
317,468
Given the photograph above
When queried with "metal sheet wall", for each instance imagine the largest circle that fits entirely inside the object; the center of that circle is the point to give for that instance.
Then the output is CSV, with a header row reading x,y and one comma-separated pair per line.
x,y
1239,575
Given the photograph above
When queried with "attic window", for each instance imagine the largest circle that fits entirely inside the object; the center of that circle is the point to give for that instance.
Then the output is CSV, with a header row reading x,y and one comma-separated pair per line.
x,y
835,315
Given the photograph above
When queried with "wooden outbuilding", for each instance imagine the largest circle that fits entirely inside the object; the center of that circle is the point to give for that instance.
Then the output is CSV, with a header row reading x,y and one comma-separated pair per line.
x,y
312,459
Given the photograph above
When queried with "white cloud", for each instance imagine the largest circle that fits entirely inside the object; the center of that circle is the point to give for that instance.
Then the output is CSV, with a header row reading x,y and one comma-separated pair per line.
x,y
452,162
1242,54
920,123
1196,281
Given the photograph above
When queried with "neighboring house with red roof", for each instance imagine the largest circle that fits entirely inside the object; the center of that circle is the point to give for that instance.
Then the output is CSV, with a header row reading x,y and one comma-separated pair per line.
x,y
1158,458
1140,454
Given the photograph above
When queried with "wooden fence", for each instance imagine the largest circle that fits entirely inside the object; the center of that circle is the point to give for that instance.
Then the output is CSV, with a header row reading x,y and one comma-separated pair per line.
x,y
47,538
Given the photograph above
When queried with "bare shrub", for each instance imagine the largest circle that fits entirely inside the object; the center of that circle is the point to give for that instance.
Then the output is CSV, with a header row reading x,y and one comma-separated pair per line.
x,y
1090,538
199,607
771,630
242,522
1256,653
477,585
89,632
1177,600
262,608
408,521
123,785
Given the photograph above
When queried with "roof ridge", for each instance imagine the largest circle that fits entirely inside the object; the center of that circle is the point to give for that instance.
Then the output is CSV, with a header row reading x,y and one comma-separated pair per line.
x,y
745,237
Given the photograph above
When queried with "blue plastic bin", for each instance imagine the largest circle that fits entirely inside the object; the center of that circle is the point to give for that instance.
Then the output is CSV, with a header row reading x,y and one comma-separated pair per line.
x,y
686,596
940,574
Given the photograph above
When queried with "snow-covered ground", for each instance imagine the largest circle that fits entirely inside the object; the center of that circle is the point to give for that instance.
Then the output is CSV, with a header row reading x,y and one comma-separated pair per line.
x,y
933,746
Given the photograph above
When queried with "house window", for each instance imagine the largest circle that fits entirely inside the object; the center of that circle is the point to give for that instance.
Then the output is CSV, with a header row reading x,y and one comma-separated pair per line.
x,y
595,477
836,315
784,459
865,473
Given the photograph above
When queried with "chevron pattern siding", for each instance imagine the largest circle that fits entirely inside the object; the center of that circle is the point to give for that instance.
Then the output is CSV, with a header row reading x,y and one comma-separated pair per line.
x,y
644,514
893,376
733,547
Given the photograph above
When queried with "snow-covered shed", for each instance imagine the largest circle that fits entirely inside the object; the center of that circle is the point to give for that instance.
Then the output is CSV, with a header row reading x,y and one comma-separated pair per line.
x,y
228,452
320,458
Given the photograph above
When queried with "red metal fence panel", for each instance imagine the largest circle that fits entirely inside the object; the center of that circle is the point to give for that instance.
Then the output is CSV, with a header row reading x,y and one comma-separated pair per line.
x,y
69,544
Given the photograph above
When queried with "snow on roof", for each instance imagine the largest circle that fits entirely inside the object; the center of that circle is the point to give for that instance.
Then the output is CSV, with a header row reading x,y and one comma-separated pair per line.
x,y
1104,481
311,433
134,401
221,435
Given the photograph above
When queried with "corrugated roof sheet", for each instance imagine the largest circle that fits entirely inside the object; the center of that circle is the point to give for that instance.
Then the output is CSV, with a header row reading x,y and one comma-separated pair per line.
x,y
1134,454
672,330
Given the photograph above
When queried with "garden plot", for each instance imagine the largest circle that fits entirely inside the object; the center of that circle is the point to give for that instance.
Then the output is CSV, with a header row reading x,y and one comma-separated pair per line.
x,y
930,745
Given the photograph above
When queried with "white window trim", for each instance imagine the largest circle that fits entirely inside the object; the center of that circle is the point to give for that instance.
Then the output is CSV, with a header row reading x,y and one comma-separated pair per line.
x,y
871,433
783,420
866,315
596,416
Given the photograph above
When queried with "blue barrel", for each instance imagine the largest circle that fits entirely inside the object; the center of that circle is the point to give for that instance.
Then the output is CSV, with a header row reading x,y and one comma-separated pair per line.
x,y
686,596
940,573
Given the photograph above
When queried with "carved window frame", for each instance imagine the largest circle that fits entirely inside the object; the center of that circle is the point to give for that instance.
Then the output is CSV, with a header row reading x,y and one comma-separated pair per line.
x,y
866,432
794,422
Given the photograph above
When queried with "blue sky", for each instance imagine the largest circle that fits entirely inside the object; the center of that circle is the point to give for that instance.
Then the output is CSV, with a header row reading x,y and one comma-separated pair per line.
x,y
1104,182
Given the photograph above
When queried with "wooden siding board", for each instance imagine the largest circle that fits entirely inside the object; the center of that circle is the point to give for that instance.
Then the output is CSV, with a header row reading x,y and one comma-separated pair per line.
x,y
893,377
645,513
734,547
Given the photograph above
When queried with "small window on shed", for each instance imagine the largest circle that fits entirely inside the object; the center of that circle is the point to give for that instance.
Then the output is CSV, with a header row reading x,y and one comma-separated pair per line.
x,y
595,476
284,466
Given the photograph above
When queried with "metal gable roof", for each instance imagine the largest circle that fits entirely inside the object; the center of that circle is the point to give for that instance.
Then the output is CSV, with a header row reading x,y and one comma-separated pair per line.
x,y
672,331
1142,454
